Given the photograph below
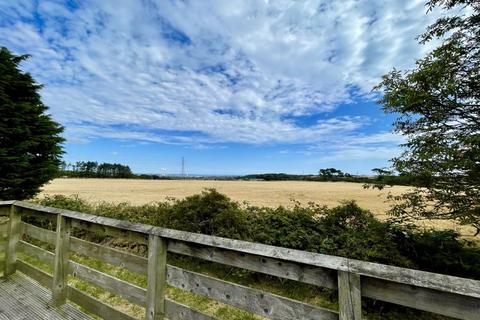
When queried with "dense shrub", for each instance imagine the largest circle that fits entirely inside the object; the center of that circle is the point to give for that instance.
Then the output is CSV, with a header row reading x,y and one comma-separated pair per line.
x,y
442,251
297,228
69,203
209,213
350,231
346,230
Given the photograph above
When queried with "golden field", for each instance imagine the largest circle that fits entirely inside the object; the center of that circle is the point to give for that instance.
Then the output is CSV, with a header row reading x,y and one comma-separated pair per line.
x,y
261,193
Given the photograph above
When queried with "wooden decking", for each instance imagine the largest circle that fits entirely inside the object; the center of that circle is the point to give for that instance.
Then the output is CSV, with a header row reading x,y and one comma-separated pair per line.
x,y
23,298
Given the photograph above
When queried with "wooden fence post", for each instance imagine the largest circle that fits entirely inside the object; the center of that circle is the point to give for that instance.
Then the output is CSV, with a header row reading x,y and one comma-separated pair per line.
x,y
60,265
13,236
349,296
156,281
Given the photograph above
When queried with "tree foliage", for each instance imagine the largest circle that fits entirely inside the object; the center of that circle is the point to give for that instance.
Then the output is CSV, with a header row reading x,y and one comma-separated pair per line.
x,y
438,103
332,173
91,169
30,142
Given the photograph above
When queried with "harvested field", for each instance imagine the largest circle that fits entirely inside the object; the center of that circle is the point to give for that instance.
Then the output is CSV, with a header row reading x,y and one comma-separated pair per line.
x,y
261,193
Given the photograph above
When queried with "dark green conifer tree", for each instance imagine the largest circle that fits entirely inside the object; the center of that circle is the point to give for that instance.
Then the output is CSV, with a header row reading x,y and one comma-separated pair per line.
x,y
30,141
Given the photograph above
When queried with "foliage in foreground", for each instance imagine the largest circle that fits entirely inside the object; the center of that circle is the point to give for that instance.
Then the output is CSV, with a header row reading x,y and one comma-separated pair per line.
x,y
346,230
30,142
438,108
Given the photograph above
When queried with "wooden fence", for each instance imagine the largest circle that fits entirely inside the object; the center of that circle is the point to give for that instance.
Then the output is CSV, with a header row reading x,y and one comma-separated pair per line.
x,y
440,294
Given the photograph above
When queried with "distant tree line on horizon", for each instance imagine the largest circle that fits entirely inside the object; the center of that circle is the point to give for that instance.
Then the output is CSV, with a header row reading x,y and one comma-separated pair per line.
x,y
93,169
379,177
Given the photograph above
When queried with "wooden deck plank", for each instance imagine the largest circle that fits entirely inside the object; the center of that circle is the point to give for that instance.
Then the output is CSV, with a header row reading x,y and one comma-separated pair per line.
x,y
23,298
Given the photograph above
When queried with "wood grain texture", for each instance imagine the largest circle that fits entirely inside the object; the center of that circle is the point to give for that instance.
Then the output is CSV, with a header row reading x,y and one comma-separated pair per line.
x,y
156,278
256,301
90,304
41,234
95,306
275,267
43,255
112,256
349,296
13,236
60,263
38,275
178,311
116,286
126,290
443,303
40,215
113,231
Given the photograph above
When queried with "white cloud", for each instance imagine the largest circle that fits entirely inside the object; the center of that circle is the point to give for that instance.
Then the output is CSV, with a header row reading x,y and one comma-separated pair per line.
x,y
203,72
358,147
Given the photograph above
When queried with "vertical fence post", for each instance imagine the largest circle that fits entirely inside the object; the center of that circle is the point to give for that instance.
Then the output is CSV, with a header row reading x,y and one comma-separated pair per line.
x,y
157,273
349,296
13,236
60,266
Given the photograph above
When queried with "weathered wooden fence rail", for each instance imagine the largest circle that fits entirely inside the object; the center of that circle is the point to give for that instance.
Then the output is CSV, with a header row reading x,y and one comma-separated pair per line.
x,y
436,293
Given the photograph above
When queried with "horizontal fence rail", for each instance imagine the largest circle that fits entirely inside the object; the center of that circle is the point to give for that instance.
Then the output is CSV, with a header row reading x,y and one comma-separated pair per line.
x,y
440,294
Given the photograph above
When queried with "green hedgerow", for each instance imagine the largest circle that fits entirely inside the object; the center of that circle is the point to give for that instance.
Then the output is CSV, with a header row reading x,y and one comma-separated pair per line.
x,y
346,230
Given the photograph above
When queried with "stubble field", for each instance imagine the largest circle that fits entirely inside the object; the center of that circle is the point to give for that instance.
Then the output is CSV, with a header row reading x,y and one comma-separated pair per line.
x,y
261,193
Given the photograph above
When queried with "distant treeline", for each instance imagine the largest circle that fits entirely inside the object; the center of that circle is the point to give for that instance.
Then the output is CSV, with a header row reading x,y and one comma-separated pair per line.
x,y
380,176
300,177
92,169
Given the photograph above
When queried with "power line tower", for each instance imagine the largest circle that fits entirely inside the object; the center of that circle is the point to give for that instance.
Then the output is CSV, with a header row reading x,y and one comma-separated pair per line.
x,y
183,167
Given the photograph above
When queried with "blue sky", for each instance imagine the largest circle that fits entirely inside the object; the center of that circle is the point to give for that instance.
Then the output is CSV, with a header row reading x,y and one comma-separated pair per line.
x,y
234,86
